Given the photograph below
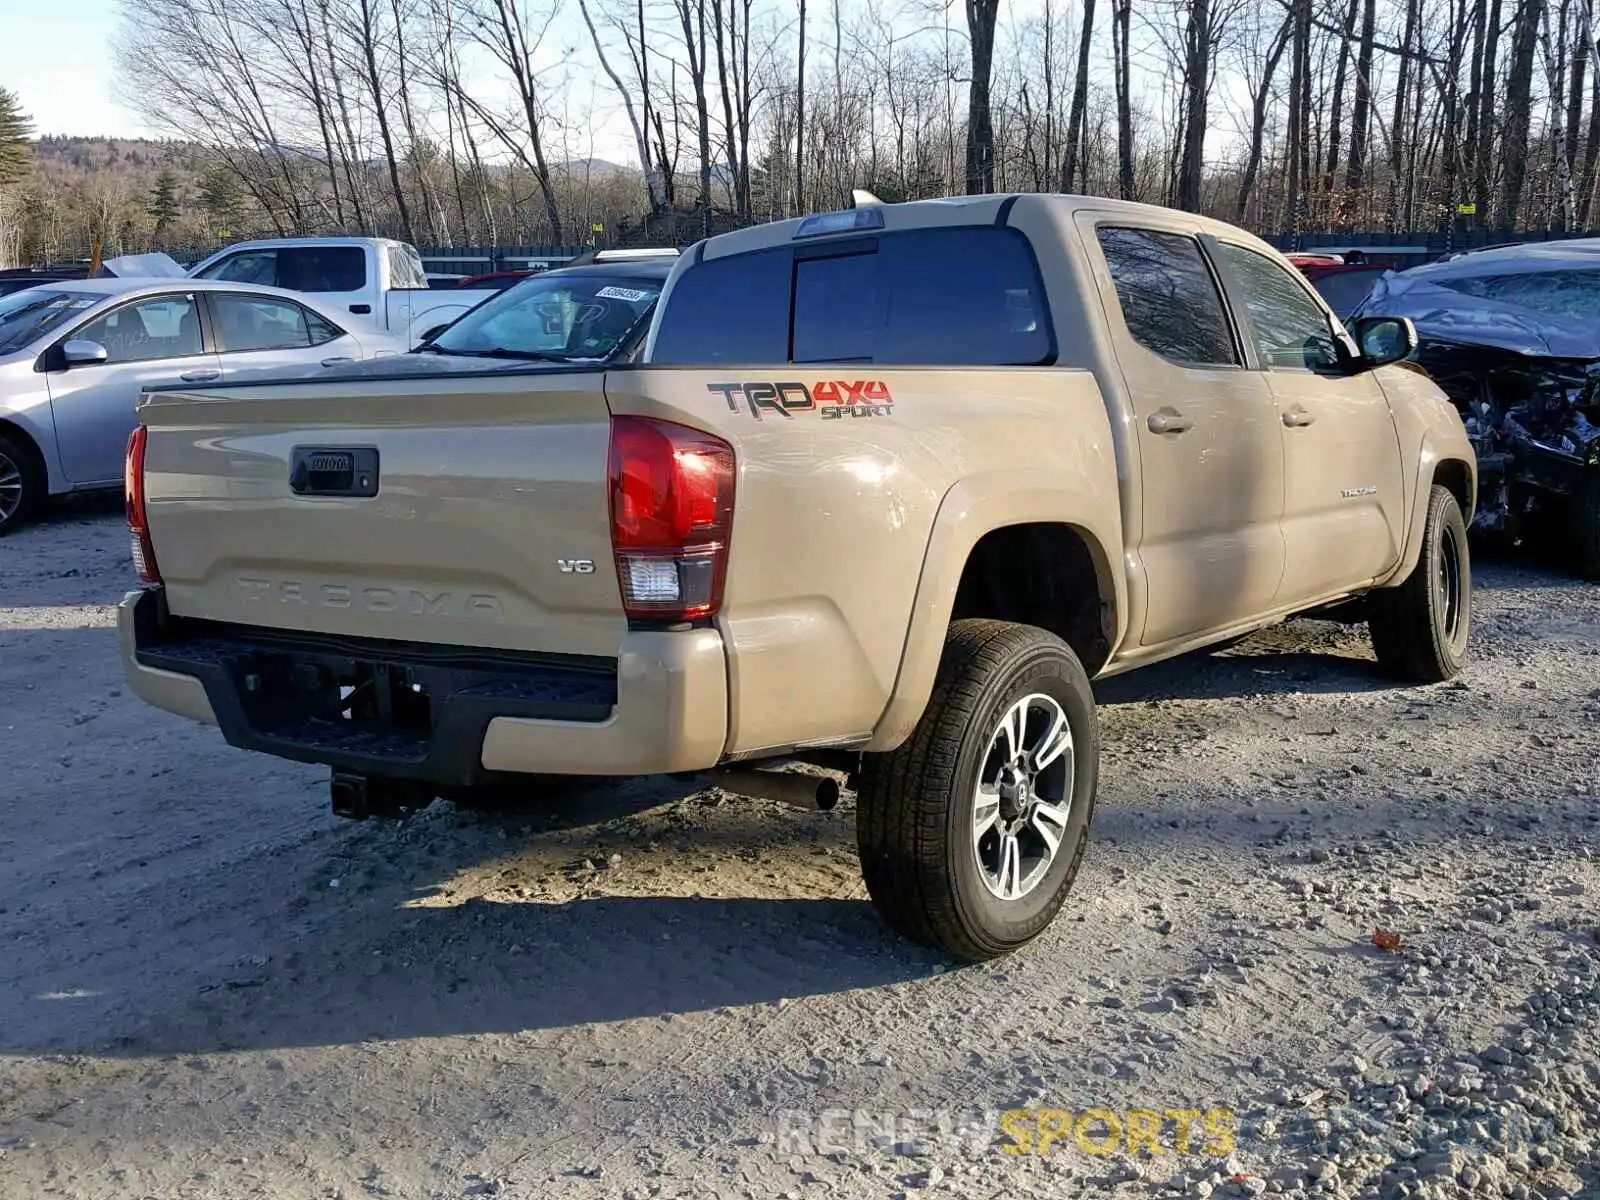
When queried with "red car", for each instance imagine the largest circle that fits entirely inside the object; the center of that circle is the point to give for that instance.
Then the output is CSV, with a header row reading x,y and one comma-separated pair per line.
x,y
1343,284
494,279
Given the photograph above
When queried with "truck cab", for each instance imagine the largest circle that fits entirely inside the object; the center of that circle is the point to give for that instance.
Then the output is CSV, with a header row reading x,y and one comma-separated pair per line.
x,y
378,280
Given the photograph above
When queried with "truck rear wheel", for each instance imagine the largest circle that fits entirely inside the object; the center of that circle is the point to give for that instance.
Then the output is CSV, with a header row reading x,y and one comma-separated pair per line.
x,y
972,831
1419,629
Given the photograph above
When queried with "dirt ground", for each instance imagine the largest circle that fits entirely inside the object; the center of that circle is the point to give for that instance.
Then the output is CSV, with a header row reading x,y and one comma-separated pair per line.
x,y
212,988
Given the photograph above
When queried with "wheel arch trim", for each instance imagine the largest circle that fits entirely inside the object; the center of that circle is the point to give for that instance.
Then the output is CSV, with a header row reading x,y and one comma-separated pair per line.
x,y
972,508
42,444
1434,464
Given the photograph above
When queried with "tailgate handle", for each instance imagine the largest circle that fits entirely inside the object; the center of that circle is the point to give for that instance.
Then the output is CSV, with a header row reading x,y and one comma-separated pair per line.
x,y
333,471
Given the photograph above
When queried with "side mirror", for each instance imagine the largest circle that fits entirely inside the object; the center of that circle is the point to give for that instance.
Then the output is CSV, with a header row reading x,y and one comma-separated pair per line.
x,y
80,352
1384,340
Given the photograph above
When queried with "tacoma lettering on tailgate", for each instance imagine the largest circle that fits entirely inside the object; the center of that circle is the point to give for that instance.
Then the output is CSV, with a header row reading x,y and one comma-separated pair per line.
x,y
415,602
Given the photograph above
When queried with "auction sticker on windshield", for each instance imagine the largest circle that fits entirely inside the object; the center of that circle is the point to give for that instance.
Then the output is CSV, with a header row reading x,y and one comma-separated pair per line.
x,y
631,295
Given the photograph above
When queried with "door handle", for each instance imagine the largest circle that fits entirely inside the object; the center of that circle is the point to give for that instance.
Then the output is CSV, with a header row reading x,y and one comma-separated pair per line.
x,y
1297,419
335,361
1168,421
201,376
361,310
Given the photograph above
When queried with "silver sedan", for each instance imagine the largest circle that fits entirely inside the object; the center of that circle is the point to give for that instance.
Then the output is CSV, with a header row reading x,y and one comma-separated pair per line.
x,y
75,354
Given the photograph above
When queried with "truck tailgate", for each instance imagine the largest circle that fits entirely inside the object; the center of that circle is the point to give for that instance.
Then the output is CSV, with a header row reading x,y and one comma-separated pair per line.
x,y
487,522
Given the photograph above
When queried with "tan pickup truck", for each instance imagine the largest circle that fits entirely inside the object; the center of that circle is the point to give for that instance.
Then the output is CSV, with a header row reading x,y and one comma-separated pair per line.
x,y
884,490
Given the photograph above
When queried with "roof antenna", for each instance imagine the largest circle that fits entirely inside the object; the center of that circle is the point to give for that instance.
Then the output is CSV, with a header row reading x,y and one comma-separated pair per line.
x,y
861,198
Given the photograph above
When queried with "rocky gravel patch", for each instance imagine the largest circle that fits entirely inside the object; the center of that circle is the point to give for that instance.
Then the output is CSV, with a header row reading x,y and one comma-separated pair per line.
x,y
1342,935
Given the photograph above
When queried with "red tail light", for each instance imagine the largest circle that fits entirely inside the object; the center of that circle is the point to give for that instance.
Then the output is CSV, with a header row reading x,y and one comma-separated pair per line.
x,y
144,553
671,515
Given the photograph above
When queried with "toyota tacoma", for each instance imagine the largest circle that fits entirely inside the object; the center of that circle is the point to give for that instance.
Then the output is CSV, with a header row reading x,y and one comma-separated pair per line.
x,y
884,491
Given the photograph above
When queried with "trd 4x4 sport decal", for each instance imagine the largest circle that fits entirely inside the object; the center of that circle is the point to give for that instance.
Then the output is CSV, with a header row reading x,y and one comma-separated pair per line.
x,y
834,398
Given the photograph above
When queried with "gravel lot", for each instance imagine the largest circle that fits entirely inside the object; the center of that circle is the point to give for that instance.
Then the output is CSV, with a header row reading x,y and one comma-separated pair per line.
x,y
212,988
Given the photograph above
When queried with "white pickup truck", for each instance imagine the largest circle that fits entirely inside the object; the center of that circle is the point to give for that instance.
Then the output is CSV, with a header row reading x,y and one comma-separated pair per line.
x,y
378,279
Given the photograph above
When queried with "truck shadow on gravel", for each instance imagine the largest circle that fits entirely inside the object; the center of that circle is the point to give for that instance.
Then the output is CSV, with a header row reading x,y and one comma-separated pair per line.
x,y
505,968
425,937
1307,656
488,968
1255,667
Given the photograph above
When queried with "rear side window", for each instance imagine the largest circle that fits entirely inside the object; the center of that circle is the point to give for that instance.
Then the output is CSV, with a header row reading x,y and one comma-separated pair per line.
x,y
963,296
322,268
265,323
1168,296
728,310
321,331
960,296
259,267
404,272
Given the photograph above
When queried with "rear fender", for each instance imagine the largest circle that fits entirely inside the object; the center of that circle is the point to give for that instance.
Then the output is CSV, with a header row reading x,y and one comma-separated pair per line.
x,y
972,508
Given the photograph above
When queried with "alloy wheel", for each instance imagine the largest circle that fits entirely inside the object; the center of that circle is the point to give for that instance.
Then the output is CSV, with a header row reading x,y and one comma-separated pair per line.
x,y
1023,801
10,487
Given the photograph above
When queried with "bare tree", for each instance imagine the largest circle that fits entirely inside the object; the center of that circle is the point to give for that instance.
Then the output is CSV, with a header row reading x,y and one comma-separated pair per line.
x,y
1121,32
1197,79
451,120
981,18
800,117
692,24
1078,116
512,34
1519,94
1260,93
1299,147
641,137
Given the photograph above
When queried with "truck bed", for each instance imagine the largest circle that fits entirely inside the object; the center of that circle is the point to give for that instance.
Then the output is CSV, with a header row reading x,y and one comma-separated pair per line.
x,y
490,528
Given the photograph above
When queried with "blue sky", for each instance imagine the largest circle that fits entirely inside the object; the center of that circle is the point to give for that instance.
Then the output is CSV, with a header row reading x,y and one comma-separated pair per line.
x,y
55,55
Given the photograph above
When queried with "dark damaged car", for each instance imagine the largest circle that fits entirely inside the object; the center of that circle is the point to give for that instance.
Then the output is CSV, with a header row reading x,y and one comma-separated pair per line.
x,y
1512,334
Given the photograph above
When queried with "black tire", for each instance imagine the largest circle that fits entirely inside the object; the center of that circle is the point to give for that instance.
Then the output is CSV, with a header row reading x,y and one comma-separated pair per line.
x,y
1584,526
1420,627
915,805
22,484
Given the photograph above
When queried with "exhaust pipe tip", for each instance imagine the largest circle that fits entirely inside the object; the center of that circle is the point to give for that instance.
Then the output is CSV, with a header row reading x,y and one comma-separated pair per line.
x,y
827,793
813,793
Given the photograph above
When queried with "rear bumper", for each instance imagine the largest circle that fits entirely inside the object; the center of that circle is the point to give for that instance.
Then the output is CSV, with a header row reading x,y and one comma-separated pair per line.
x,y
453,716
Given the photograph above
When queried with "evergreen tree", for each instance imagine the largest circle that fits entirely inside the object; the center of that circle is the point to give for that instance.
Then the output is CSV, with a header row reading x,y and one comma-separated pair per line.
x,y
164,208
16,154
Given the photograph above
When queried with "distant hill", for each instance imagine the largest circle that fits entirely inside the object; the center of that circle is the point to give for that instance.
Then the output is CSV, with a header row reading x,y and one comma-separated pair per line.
x,y
592,166
91,155
130,195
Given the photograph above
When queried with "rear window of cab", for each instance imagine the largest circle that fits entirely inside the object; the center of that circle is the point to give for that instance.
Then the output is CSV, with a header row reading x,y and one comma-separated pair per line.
x,y
953,296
